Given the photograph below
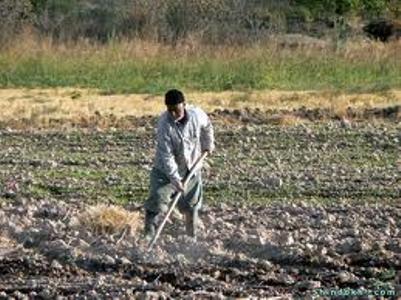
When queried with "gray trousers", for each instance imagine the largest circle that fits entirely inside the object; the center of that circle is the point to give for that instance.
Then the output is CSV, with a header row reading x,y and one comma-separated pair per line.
x,y
160,197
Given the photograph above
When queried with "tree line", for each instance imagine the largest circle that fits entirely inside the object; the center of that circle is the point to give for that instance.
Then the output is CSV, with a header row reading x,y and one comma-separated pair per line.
x,y
212,21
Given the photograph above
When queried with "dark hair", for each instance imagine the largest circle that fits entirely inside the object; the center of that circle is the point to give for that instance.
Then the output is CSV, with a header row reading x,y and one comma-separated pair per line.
x,y
173,97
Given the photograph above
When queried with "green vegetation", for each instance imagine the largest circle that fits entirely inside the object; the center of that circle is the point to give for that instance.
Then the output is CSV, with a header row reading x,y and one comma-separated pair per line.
x,y
151,45
116,68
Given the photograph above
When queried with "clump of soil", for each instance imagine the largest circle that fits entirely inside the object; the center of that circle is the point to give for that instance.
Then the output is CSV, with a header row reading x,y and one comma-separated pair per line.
x,y
260,251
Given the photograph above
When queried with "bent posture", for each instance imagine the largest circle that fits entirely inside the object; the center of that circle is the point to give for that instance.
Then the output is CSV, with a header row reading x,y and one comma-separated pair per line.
x,y
183,133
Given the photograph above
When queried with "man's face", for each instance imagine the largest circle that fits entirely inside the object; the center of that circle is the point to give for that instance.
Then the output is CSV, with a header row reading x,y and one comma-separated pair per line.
x,y
177,111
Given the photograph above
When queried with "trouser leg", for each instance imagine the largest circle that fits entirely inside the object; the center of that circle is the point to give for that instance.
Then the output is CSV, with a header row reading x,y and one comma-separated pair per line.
x,y
150,223
191,223
190,204
161,192
157,202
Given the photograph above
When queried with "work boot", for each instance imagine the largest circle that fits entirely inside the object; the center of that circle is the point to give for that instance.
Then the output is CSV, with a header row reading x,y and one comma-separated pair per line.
x,y
191,221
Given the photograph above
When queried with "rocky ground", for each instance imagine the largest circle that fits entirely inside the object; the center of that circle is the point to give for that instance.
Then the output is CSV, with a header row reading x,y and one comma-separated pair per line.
x,y
291,210
292,250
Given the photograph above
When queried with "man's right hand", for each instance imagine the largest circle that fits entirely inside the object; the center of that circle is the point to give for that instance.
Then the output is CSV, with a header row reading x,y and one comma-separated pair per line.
x,y
179,187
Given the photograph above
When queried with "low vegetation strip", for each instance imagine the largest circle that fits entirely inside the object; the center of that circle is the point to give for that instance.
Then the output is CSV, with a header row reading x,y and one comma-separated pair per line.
x,y
149,68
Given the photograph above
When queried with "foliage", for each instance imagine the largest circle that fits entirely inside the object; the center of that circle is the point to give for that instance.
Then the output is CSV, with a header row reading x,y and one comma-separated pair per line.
x,y
14,14
171,20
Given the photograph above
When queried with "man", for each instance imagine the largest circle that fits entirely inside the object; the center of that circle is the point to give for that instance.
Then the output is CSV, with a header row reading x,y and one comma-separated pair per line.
x,y
183,133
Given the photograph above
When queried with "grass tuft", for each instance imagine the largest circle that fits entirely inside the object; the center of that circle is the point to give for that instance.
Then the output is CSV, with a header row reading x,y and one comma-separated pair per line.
x,y
110,219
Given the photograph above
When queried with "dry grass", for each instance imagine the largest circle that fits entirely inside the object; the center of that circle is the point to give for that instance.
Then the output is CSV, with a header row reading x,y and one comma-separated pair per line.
x,y
6,245
299,68
28,44
40,106
372,51
110,219
70,103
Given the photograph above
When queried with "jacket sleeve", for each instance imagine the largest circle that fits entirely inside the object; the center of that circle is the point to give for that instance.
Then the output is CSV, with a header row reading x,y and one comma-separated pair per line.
x,y
165,153
206,133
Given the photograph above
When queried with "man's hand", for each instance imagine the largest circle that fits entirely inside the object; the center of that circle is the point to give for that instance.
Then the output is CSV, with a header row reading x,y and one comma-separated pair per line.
x,y
179,187
207,151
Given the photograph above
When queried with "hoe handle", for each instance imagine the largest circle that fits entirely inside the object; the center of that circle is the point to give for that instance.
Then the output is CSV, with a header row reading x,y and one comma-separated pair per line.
x,y
177,196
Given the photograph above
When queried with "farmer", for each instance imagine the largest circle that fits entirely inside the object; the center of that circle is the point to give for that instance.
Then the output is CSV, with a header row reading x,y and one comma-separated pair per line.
x,y
183,133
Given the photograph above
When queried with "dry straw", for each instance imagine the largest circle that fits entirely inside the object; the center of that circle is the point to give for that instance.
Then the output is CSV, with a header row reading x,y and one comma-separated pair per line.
x,y
6,244
110,219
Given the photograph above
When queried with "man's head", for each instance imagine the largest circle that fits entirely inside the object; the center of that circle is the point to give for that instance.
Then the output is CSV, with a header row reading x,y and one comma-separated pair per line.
x,y
175,103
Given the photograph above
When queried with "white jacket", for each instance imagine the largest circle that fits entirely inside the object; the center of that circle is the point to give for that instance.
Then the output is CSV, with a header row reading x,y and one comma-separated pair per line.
x,y
179,145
